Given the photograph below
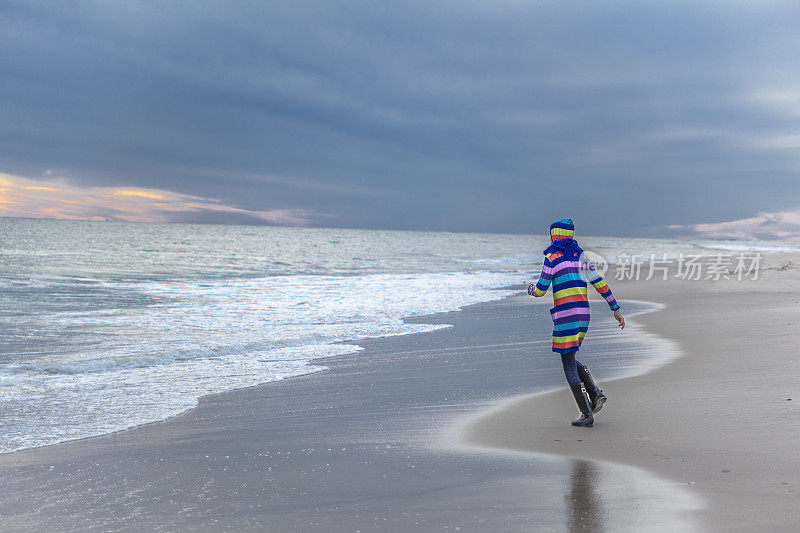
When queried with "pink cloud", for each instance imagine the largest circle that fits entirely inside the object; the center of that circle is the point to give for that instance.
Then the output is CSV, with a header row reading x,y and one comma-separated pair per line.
x,y
777,225
54,198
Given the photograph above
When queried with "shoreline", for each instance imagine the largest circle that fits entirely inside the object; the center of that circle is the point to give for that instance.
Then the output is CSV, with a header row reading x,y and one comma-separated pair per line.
x,y
356,346
722,426
339,451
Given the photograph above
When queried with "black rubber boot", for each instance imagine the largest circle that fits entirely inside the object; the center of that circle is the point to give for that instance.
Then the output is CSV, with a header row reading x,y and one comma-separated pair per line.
x,y
582,399
596,396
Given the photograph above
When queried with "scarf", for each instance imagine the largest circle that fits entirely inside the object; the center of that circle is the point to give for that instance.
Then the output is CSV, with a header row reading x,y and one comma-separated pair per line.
x,y
566,247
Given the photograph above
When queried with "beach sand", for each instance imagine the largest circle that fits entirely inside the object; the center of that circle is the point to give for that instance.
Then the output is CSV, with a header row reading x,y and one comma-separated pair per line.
x,y
724,419
705,441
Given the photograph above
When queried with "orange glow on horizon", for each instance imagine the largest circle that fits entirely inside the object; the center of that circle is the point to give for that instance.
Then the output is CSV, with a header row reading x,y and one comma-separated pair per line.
x,y
58,198
138,193
40,188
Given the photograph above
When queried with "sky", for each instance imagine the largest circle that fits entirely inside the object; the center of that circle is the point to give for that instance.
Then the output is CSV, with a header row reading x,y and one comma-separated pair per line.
x,y
634,118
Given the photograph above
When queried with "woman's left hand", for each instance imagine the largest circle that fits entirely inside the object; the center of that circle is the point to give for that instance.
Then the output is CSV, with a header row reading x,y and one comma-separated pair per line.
x,y
620,319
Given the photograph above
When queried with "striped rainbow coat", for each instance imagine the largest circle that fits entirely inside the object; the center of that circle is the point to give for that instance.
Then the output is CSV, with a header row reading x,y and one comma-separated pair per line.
x,y
570,312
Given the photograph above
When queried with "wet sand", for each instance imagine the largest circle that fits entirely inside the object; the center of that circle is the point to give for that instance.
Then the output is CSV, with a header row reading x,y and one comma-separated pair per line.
x,y
723,420
360,447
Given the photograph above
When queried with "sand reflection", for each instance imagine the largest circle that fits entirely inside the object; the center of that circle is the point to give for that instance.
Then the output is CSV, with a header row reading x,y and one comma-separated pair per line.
x,y
584,508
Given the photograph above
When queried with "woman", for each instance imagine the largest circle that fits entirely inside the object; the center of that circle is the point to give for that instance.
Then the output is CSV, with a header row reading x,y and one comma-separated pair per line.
x,y
569,270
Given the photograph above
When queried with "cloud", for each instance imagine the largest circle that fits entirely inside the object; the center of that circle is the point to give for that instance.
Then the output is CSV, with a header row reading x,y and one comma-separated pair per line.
x,y
23,197
778,225
451,115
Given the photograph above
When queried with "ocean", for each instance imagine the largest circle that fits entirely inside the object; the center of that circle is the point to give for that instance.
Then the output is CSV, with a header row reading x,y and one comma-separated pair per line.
x,y
109,325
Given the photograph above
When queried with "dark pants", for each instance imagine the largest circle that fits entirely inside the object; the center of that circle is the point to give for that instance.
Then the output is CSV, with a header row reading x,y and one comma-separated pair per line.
x,y
571,367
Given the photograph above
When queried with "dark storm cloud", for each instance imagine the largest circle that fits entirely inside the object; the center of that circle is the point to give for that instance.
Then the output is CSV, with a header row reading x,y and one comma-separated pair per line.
x,y
492,116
